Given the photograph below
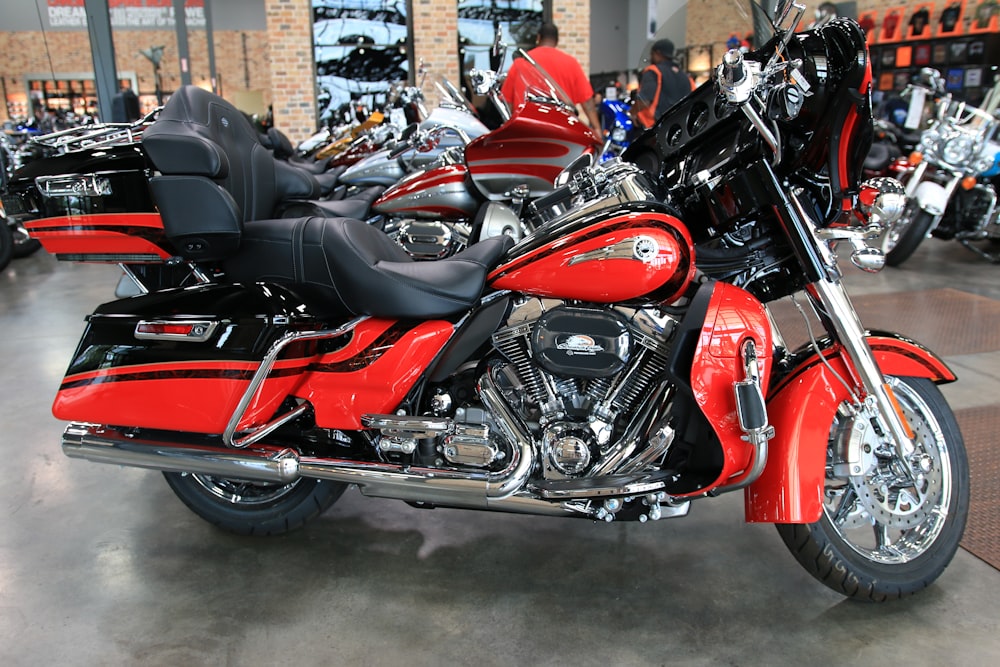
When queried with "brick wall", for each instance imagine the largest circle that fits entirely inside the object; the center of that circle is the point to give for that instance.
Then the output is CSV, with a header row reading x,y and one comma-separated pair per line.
x,y
293,76
25,53
435,40
572,17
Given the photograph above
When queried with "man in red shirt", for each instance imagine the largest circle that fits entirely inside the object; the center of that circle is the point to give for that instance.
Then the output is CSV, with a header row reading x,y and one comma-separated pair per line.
x,y
562,67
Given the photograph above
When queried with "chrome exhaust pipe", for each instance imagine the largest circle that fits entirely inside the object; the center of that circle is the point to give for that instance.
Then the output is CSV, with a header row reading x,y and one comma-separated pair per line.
x,y
103,445
282,465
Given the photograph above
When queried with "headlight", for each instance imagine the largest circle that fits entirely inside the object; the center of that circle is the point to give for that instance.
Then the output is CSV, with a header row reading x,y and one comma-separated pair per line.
x,y
618,134
957,150
983,165
930,144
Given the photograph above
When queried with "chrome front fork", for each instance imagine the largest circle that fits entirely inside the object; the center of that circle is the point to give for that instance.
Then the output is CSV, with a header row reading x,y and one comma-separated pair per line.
x,y
851,334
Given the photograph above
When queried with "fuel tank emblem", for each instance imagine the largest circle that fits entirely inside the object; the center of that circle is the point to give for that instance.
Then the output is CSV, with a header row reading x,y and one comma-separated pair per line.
x,y
644,249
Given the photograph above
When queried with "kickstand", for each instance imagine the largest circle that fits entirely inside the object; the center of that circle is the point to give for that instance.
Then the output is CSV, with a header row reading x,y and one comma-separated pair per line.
x,y
993,257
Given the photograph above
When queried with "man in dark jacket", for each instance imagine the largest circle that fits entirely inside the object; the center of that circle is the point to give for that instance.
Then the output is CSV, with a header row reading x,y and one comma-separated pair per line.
x,y
661,84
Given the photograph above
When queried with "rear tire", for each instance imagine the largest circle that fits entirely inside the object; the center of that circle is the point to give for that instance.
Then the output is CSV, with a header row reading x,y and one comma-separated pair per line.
x,y
254,508
880,538
6,245
903,237
24,245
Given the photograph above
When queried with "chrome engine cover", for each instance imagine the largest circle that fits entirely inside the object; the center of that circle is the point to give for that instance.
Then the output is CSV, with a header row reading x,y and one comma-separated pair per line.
x,y
589,423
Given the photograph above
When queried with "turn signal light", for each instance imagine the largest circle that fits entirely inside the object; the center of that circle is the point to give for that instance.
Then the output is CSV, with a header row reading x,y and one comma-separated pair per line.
x,y
916,157
968,182
162,329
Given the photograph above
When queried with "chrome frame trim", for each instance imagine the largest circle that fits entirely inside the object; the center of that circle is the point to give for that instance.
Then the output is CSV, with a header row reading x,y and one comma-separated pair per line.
x,y
266,364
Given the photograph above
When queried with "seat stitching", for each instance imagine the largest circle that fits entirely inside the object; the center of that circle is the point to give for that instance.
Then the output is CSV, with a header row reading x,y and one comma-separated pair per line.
x,y
400,281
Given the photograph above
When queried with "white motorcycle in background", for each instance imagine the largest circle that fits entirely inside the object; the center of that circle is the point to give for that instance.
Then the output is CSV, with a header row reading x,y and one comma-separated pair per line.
x,y
950,181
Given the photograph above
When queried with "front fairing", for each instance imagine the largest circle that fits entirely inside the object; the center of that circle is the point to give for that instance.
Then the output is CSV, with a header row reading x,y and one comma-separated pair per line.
x,y
823,147
532,148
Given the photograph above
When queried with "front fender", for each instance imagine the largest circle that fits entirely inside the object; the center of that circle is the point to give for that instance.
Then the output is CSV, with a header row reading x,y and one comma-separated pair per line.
x,y
802,406
932,197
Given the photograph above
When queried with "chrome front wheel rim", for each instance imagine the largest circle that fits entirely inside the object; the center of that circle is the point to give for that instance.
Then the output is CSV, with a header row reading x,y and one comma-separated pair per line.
x,y
896,510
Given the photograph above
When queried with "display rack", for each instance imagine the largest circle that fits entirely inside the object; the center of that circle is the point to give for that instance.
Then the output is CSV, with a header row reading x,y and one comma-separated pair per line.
x,y
959,38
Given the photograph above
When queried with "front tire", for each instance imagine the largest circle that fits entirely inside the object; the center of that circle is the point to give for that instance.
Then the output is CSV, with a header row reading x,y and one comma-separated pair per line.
x,y
254,508
882,535
903,237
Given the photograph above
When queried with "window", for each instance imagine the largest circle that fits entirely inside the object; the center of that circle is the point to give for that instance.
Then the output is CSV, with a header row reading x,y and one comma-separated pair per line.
x,y
361,49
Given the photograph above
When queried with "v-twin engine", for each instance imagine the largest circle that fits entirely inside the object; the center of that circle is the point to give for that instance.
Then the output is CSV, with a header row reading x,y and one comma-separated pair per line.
x,y
588,381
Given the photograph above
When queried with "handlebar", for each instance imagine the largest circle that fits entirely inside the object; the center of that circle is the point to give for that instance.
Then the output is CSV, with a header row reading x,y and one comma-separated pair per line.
x,y
425,140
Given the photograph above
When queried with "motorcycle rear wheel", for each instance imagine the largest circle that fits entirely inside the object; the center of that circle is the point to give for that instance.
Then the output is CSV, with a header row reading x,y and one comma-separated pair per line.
x,y
254,508
24,245
903,237
6,245
880,538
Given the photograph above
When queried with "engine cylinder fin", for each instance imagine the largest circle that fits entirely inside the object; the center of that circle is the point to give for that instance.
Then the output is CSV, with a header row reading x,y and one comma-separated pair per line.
x,y
637,383
513,344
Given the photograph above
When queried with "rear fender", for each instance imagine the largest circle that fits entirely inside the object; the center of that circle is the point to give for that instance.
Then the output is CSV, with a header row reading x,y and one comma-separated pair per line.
x,y
802,406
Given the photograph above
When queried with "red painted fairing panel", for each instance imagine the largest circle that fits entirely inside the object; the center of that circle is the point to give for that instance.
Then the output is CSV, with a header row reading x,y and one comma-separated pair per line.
x,y
532,147
733,316
104,237
437,192
623,257
373,373
801,409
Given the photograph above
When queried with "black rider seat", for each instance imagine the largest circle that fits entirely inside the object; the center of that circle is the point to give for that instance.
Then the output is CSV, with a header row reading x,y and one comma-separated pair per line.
x,y
350,263
357,205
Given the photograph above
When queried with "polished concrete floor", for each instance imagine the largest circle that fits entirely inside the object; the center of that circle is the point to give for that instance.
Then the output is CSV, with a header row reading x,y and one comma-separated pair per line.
x,y
104,566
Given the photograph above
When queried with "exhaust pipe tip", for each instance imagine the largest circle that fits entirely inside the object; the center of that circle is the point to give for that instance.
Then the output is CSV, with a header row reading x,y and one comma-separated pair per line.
x,y
100,444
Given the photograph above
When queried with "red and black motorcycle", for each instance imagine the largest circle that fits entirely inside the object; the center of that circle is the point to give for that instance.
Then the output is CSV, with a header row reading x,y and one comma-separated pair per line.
x,y
618,363
89,197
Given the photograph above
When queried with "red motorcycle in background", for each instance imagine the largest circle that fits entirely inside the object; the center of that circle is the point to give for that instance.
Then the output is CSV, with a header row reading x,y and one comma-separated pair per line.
x,y
477,190
617,363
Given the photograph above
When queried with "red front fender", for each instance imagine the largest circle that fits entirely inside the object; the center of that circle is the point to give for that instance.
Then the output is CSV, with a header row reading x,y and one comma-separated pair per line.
x,y
801,408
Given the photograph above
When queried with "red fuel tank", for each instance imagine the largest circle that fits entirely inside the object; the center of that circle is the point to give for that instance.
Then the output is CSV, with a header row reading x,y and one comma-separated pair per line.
x,y
617,257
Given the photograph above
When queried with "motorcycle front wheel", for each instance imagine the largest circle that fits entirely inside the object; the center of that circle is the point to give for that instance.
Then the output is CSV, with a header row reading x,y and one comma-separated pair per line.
x,y
892,530
902,238
254,508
